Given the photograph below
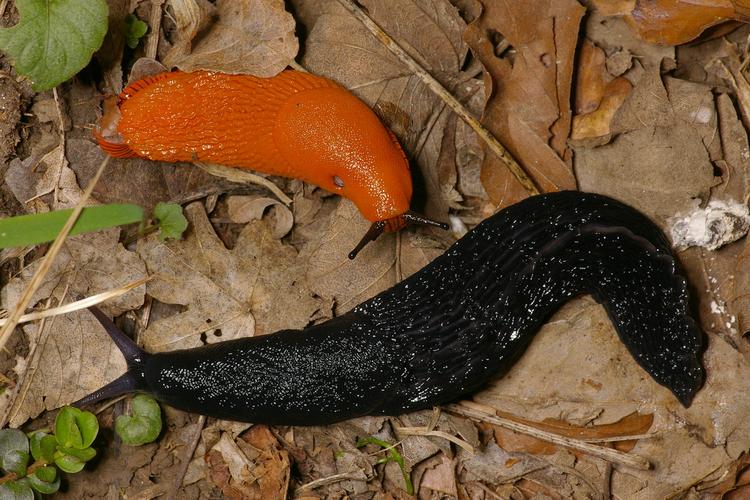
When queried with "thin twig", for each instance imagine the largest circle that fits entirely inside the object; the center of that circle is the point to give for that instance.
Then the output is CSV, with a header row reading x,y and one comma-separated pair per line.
x,y
241,176
80,304
154,23
609,454
324,481
43,269
523,178
186,459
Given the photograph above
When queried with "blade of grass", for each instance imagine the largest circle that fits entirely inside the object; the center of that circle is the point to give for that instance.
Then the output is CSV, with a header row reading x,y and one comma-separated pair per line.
x,y
39,228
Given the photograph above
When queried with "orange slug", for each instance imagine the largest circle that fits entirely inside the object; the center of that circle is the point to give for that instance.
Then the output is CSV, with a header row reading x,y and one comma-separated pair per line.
x,y
293,125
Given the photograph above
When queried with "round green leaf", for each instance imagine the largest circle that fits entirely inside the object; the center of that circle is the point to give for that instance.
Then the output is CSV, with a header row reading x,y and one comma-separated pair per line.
x,y
54,40
68,463
45,480
144,425
84,454
43,446
47,474
67,432
75,428
15,491
14,451
171,221
16,461
89,427
134,30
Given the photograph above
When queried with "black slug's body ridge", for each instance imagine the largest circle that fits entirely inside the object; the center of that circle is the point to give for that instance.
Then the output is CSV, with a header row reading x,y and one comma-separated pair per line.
x,y
459,322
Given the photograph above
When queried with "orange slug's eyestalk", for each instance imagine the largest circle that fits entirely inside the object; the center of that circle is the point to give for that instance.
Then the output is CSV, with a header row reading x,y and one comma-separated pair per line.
x,y
391,225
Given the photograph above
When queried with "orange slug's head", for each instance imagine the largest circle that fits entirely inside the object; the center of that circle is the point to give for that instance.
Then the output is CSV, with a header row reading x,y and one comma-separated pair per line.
x,y
341,145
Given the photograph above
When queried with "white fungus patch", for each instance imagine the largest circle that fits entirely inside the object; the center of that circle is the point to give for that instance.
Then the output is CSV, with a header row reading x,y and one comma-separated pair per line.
x,y
719,223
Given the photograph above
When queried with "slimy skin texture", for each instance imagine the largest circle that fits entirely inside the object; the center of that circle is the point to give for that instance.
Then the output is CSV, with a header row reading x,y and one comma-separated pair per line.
x,y
293,125
450,328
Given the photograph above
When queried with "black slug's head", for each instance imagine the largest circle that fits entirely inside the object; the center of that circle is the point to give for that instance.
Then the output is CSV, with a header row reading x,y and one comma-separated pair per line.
x,y
131,381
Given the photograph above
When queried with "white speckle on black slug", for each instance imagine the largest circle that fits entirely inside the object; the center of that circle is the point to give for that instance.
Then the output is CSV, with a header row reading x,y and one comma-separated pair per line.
x,y
448,329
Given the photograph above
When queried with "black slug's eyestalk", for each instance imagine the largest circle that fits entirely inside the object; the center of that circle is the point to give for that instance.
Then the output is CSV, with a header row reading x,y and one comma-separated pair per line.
x,y
450,328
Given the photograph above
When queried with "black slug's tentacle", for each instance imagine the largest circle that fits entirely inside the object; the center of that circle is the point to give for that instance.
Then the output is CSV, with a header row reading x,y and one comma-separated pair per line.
x,y
453,326
131,381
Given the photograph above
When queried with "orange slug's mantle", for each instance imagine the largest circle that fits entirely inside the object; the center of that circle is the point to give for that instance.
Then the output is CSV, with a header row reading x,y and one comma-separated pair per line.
x,y
294,125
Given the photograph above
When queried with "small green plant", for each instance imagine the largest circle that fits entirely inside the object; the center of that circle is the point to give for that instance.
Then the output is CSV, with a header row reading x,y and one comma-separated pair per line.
x,y
54,40
144,425
134,30
68,449
392,456
170,220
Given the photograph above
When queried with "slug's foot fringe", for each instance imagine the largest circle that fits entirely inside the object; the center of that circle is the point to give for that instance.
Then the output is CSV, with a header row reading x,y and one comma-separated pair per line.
x,y
114,149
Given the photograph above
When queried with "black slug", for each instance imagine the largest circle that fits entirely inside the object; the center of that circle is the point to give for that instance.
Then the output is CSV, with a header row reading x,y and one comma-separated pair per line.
x,y
448,329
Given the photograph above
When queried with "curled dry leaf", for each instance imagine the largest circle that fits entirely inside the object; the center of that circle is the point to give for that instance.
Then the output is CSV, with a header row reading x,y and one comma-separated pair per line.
x,y
673,22
250,290
598,95
235,36
529,110
244,209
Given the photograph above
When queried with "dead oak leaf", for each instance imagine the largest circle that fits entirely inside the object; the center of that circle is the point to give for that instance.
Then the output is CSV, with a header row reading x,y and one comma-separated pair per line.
x,y
251,289
529,108
240,36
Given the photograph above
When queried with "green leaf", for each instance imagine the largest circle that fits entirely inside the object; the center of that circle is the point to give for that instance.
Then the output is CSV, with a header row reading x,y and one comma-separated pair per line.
x,y
14,451
15,491
144,425
171,221
45,480
43,446
16,461
46,474
393,456
84,454
67,432
134,30
69,463
38,228
75,428
54,39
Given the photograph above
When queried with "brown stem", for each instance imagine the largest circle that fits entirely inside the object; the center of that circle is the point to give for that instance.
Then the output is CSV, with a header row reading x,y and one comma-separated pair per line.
x,y
29,471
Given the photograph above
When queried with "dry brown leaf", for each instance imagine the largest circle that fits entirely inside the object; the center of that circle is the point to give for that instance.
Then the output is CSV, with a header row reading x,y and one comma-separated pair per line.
x,y
529,110
598,95
439,476
240,36
628,425
254,467
88,264
244,209
660,160
672,22
253,289
329,271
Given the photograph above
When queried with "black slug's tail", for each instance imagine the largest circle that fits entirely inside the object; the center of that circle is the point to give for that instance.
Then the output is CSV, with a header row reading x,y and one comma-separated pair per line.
x,y
130,381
